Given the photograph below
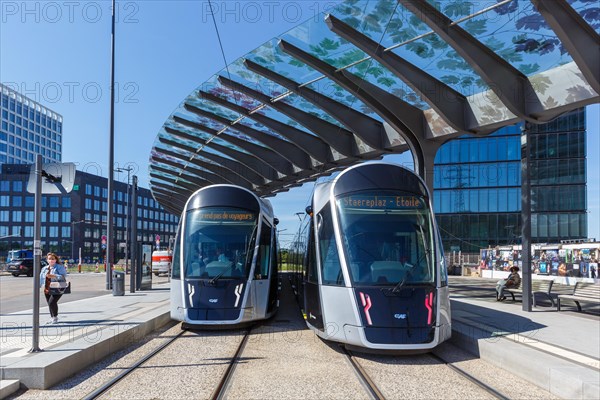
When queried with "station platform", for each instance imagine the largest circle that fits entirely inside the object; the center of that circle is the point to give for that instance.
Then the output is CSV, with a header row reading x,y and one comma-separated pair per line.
x,y
88,330
557,351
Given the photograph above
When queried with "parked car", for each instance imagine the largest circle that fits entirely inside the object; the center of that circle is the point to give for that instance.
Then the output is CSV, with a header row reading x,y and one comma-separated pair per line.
x,y
22,266
161,262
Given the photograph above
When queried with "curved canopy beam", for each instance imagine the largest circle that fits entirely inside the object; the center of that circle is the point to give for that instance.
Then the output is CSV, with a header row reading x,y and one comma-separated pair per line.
x,y
319,150
449,103
368,129
508,83
263,154
222,167
335,136
249,161
403,117
296,155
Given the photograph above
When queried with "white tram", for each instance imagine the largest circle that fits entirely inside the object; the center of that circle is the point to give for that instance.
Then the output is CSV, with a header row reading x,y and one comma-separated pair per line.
x,y
224,259
373,275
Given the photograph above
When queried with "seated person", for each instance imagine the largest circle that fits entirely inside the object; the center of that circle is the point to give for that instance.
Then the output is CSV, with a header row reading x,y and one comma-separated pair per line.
x,y
404,263
221,256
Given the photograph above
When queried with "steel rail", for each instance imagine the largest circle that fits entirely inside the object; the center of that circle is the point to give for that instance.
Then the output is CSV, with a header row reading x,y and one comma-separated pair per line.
x,y
112,382
221,388
470,377
363,377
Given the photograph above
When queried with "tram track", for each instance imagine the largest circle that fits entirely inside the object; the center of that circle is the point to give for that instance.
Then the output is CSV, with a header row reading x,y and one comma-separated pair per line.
x,y
105,387
223,385
376,393
363,376
470,377
217,393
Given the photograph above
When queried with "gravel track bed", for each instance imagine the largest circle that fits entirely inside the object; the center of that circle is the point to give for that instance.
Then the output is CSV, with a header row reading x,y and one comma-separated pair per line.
x,y
189,368
283,359
491,375
91,378
417,377
291,362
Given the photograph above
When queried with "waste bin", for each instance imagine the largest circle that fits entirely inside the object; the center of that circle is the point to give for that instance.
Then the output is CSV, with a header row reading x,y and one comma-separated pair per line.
x,y
118,283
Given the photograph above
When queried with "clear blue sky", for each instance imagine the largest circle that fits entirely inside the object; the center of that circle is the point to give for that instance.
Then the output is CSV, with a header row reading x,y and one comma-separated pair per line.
x,y
58,53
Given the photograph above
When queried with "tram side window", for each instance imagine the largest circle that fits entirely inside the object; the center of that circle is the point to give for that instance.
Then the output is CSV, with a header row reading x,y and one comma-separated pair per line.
x,y
330,260
442,263
311,267
263,261
176,263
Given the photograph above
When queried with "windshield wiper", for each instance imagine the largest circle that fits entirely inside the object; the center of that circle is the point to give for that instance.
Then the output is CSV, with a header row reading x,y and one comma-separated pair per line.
x,y
399,285
215,278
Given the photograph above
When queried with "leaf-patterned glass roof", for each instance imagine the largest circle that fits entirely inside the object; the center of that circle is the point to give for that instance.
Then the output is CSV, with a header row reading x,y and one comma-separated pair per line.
x,y
327,94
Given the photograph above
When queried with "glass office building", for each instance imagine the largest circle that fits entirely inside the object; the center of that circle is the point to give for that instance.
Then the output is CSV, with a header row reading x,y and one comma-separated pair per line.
x,y
27,128
77,219
477,185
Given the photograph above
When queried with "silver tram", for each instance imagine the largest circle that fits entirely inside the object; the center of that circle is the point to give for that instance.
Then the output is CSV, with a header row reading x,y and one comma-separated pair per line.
x,y
224,259
373,274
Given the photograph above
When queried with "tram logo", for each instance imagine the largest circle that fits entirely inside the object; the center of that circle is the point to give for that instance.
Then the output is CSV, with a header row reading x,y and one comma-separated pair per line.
x,y
213,300
400,316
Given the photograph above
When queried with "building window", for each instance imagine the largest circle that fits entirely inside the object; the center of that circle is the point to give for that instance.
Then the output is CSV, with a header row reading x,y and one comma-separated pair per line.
x,y
16,216
53,216
66,202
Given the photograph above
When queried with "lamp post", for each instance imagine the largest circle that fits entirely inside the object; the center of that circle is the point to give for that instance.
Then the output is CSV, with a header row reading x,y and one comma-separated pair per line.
x,y
129,169
73,223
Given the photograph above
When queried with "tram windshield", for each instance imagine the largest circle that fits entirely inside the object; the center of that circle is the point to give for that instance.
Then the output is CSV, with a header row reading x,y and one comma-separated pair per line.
x,y
218,243
387,238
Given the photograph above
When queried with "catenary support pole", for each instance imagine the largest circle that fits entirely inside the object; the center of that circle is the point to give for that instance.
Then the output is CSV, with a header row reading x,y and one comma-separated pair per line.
x,y
37,255
133,233
526,218
111,161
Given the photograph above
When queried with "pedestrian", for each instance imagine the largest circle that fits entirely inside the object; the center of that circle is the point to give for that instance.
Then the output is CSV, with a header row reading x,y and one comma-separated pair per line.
x,y
66,265
57,272
512,281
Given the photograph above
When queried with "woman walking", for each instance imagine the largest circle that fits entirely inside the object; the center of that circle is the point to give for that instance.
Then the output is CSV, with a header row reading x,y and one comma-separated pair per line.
x,y
54,271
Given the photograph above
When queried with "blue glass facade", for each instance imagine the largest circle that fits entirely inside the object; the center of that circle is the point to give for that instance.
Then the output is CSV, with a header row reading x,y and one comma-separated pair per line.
x,y
26,129
477,185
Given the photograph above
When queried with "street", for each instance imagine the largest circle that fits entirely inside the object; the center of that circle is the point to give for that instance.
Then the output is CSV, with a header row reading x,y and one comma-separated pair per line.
x,y
16,292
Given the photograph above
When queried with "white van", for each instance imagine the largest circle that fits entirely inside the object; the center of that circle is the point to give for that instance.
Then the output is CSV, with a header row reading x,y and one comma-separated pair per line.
x,y
161,262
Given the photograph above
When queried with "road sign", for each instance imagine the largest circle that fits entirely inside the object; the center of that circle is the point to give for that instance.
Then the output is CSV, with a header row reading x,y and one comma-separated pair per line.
x,y
57,178
157,238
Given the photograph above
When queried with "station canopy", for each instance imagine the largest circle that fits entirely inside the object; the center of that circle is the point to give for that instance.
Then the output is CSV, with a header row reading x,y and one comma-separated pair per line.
x,y
372,78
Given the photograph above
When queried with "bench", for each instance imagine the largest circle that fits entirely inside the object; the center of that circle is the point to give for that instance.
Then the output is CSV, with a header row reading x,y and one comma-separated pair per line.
x,y
537,286
583,292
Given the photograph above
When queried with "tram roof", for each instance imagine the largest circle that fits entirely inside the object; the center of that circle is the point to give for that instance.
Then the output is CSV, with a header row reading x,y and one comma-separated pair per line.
x,y
367,79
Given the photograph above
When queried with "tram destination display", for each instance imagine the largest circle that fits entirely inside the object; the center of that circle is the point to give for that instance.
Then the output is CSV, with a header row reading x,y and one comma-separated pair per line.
x,y
381,202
